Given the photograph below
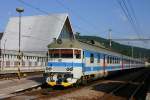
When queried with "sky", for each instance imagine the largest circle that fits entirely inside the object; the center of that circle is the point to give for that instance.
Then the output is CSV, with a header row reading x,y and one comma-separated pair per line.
x,y
89,17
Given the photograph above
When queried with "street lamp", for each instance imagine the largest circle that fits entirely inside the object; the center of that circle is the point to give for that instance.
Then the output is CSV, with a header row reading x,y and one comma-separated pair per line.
x,y
4,53
19,10
110,40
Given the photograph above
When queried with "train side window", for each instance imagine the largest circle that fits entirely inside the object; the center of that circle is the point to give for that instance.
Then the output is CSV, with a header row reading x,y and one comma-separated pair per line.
x,y
98,58
117,60
108,59
91,58
77,54
113,60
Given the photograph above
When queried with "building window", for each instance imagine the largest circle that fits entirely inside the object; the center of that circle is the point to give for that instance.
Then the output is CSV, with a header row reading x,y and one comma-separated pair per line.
x,y
91,58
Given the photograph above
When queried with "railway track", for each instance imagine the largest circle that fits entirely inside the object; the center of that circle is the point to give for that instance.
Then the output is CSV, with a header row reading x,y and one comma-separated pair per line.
x,y
129,89
133,83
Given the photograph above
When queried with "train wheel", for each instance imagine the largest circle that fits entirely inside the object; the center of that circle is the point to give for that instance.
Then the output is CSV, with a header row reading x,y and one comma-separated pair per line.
x,y
78,83
83,81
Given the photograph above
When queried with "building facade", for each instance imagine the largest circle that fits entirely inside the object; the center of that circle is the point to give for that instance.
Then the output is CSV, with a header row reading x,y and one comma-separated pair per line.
x,y
36,33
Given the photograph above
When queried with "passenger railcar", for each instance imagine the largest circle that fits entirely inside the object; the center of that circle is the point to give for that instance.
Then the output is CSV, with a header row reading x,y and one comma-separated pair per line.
x,y
73,62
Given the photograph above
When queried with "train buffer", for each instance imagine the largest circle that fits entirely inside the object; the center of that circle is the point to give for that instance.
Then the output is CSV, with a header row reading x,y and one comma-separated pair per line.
x,y
8,87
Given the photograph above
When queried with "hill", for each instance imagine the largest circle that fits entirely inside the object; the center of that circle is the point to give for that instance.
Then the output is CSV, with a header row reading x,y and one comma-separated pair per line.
x,y
120,48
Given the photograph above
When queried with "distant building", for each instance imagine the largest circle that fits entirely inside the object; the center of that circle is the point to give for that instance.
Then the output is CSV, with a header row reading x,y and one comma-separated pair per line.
x,y
36,33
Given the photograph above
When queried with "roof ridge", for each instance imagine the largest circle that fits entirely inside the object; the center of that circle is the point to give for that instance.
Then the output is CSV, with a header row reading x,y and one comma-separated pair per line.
x,y
50,14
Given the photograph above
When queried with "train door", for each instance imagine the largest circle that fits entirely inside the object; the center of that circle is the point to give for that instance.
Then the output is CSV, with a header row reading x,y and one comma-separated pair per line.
x,y
0,65
122,63
104,63
83,61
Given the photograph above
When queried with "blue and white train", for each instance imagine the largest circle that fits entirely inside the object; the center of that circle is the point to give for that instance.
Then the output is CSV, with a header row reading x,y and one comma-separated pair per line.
x,y
73,62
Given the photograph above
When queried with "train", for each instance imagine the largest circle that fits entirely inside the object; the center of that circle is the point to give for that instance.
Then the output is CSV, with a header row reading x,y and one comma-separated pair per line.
x,y
74,62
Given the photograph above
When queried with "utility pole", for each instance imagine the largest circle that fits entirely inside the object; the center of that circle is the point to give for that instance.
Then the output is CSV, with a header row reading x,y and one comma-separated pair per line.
x,y
110,40
19,10
4,54
132,51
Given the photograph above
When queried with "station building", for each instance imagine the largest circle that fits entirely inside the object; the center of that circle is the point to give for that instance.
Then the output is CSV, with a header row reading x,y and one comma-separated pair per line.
x,y
36,33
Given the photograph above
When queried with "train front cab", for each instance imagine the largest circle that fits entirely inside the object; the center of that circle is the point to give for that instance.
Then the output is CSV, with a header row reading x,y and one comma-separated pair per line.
x,y
64,66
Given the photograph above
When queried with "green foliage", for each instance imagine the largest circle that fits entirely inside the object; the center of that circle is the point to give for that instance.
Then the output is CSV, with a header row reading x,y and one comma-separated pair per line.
x,y
120,48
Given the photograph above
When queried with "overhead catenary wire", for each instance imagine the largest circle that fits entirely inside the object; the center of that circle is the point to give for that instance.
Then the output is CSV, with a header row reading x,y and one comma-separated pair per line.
x,y
47,13
134,15
128,16
81,18
77,15
131,19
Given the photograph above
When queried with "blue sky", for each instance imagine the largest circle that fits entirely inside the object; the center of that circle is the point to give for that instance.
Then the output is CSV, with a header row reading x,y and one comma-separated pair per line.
x,y
89,17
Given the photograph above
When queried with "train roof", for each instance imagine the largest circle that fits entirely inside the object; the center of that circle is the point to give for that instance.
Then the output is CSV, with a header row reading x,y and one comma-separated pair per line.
x,y
93,46
67,43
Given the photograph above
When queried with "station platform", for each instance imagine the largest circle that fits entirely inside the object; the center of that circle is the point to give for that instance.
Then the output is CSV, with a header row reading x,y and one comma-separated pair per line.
x,y
8,87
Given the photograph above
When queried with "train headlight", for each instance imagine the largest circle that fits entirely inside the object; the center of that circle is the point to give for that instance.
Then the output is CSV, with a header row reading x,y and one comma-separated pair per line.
x,y
69,79
69,68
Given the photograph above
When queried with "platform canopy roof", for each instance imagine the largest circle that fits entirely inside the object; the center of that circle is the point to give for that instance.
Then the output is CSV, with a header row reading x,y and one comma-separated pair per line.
x,y
36,31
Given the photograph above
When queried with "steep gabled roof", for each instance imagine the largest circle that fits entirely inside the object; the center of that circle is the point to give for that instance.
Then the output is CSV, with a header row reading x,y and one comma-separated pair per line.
x,y
36,31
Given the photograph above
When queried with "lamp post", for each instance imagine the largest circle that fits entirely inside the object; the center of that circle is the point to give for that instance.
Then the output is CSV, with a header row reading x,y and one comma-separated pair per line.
x,y
4,53
19,10
110,40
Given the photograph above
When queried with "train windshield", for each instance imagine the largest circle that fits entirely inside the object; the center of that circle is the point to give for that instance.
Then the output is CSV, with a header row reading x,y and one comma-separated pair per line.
x,y
64,53
61,53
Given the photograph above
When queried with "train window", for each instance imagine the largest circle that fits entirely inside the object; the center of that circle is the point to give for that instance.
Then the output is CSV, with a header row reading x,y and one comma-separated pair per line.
x,y
77,54
54,53
119,60
116,60
66,53
61,53
91,58
108,59
113,60
98,58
